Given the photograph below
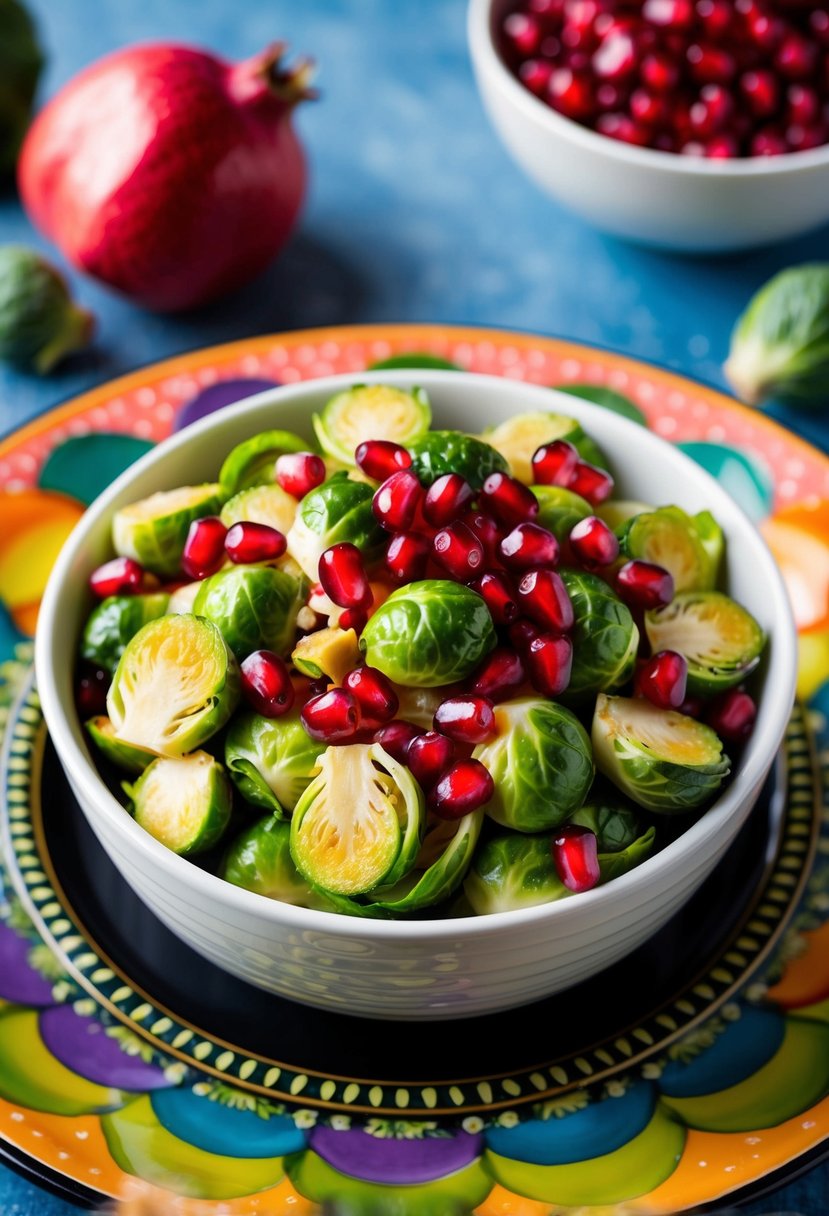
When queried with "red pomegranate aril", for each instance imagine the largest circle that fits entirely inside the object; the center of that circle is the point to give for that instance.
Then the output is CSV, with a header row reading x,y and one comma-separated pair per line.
x,y
769,142
576,857
663,678
712,111
458,551
761,91
395,503
571,93
732,715
508,499
659,73
644,584
796,58
592,483
379,459
615,59
549,661
802,105
266,683
343,576
406,556
395,738
497,592
487,530
715,16
299,472
593,543
353,618
91,688
648,108
522,33
549,11
801,139
722,147
373,692
120,576
710,64
543,596
465,718
251,542
622,127
692,148
466,786
204,549
535,74
522,633
612,96
331,717
528,545
429,756
446,499
819,25
692,707
500,674
766,31
671,14
554,463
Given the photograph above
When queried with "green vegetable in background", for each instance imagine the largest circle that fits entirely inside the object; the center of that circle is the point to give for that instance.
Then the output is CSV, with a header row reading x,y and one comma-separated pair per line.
x,y
780,344
251,462
255,607
338,510
184,802
441,452
429,633
260,860
123,755
371,411
519,437
669,537
605,636
21,62
154,529
114,621
270,760
599,394
559,510
720,639
39,323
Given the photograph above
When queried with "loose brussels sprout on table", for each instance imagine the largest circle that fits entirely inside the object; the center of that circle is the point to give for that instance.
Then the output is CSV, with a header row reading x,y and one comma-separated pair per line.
x,y
412,739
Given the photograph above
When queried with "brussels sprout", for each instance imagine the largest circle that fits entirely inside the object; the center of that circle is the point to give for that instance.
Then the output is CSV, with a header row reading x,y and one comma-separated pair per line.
x,y
780,344
519,437
359,823
371,411
712,538
560,510
541,764
153,531
21,61
429,633
251,462
418,705
331,652
720,639
663,760
255,607
608,398
114,621
441,865
618,511
181,600
442,452
670,538
269,505
270,760
605,636
613,821
185,802
613,864
39,324
176,684
338,510
260,860
122,755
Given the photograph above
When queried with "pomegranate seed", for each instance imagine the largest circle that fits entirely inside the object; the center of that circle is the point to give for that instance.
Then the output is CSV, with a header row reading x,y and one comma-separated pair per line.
x,y
712,111
299,472
508,499
543,596
522,633
429,756
353,618
266,683
819,24
692,707
395,738
373,692
802,105
761,91
732,715
549,11
498,595
571,93
549,659
487,531
446,499
91,690
500,674
715,17
554,463
800,139
616,57
662,679
766,31
343,576
722,147
535,74
659,73
796,58
673,14
648,108
380,458
121,576
528,545
692,148
406,556
591,483
522,33
465,787
575,853
466,719
644,585
457,549
710,64
769,142
622,127
612,96
251,542
204,549
331,717
593,543
396,501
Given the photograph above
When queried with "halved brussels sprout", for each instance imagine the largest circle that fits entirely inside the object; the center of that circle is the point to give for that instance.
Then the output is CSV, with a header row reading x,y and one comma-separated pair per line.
x,y
255,607
713,541
122,755
114,621
359,823
559,510
153,531
442,452
605,636
669,537
371,411
663,760
331,652
519,437
181,600
429,633
720,639
618,511
541,763
184,802
439,869
269,505
271,760
612,864
177,684
260,860
251,462
338,510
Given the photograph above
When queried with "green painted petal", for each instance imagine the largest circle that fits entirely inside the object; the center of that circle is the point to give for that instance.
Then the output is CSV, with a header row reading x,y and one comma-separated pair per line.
x,y
83,467
607,397
742,474
415,359
30,1075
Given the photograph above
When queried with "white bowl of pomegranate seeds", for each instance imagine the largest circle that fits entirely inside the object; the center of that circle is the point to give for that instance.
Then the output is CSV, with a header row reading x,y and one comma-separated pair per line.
x,y
450,963
685,124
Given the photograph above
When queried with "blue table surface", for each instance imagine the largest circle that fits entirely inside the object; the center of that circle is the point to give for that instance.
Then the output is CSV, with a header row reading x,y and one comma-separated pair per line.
x,y
415,213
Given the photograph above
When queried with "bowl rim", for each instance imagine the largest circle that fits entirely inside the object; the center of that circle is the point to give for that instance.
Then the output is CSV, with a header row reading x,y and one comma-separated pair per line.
x,y
82,773
486,58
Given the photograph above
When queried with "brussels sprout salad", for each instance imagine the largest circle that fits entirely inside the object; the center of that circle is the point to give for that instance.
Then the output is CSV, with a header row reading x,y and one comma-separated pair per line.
x,y
415,672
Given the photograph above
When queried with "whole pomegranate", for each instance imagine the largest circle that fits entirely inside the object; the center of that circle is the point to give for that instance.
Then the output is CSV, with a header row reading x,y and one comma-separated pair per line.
x,y
167,172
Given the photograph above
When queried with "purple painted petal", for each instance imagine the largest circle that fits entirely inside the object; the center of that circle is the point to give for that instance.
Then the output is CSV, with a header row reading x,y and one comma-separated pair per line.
x,y
396,1162
217,396
83,1045
19,982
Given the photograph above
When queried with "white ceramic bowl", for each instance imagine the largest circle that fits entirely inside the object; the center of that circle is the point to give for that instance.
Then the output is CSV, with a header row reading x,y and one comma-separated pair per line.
x,y
422,969
656,198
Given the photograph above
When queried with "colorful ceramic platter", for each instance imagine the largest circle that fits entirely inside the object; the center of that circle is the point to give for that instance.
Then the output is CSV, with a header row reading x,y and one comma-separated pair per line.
x,y
694,1073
